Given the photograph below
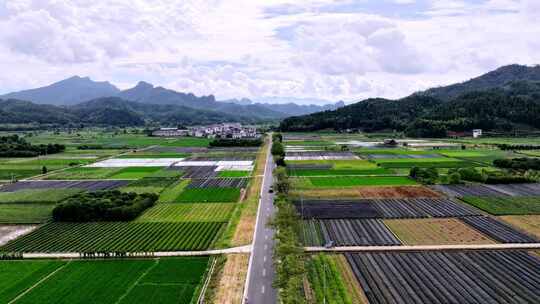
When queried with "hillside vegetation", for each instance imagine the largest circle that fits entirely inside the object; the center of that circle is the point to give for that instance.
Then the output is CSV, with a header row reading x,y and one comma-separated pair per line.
x,y
516,104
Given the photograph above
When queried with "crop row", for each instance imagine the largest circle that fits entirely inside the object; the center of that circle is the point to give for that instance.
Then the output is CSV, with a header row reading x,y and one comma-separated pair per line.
x,y
505,205
87,185
401,156
219,183
383,208
199,171
448,277
209,195
326,281
116,236
351,181
206,212
348,232
491,190
166,280
498,230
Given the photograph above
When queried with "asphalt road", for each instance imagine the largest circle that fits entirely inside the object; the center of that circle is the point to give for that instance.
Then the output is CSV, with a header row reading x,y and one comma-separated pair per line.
x,y
261,274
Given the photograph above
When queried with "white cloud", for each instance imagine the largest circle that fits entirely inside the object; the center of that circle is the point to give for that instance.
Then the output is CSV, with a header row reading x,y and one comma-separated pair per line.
x,y
247,48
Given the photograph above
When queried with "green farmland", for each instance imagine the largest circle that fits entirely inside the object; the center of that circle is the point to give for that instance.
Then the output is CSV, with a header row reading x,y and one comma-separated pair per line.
x,y
506,205
116,236
173,280
215,195
342,181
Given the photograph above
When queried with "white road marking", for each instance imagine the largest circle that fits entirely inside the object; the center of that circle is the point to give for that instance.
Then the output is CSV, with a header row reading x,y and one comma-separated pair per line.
x,y
262,290
264,272
264,258
265,246
266,237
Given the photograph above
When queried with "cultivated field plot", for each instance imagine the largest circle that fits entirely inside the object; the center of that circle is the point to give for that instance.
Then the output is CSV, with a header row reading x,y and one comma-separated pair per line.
x,y
169,194
18,276
528,223
367,192
343,181
518,189
498,230
219,183
348,232
82,173
468,190
197,172
383,208
205,212
505,205
116,236
397,192
435,232
220,157
337,209
338,172
148,185
308,166
135,162
86,185
448,277
25,213
443,162
401,156
226,174
213,195
325,281
174,280
42,196
320,155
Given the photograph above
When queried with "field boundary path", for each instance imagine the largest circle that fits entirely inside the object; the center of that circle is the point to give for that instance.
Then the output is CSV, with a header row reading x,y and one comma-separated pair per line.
x,y
260,276
507,246
77,255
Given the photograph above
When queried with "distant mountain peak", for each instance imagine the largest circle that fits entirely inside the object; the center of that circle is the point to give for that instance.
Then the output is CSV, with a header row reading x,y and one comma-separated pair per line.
x,y
144,84
69,91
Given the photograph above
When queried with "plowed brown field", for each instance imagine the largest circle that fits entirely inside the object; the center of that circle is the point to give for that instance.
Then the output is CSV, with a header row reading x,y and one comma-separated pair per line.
x,y
368,192
436,232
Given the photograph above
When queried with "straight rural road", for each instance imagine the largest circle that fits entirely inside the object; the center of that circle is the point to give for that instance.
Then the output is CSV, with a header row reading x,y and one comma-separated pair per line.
x,y
261,271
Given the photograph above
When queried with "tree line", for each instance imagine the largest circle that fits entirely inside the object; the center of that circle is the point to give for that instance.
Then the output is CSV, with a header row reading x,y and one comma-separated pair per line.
x,y
15,146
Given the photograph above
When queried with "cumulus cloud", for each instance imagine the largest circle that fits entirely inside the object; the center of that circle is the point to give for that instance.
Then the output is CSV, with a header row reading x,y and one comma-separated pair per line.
x,y
333,49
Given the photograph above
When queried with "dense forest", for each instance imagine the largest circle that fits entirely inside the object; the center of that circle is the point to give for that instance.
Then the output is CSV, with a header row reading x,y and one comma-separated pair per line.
x,y
15,146
514,105
112,111
103,206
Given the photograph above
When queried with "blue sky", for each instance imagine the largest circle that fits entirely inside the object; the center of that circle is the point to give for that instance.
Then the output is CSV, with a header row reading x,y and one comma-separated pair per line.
x,y
325,49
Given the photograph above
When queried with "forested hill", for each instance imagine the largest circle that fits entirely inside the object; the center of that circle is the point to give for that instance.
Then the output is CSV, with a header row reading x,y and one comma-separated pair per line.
x,y
512,105
111,111
492,80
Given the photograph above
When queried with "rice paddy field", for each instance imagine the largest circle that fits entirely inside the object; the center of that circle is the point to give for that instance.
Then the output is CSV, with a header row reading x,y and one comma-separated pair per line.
x,y
171,280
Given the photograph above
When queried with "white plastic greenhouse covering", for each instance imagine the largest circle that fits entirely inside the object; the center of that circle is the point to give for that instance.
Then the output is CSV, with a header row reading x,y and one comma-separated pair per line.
x,y
135,162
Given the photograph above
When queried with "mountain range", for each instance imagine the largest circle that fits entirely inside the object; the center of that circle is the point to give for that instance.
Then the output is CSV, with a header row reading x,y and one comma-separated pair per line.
x,y
505,99
76,92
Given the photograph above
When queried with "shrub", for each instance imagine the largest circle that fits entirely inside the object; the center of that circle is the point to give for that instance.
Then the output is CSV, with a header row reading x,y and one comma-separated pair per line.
x,y
472,175
424,175
454,178
524,163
